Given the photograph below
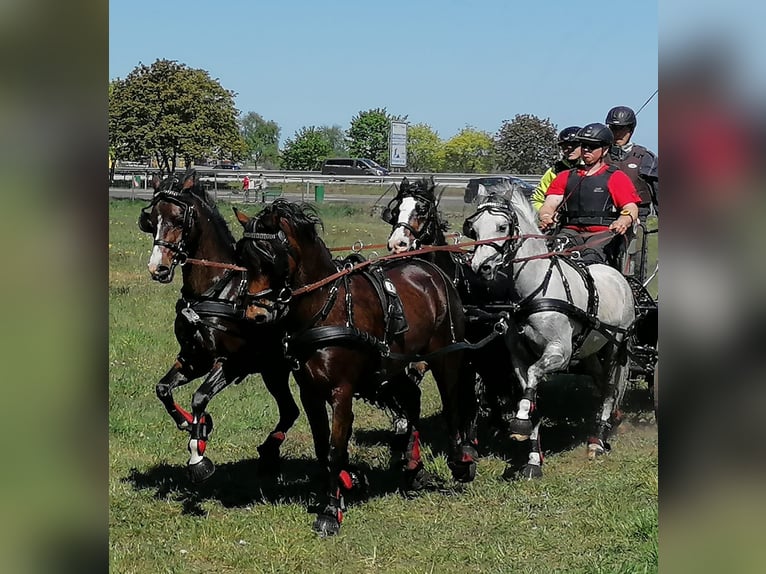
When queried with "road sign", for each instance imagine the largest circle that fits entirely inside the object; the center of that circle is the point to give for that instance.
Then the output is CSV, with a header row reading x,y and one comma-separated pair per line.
x,y
398,145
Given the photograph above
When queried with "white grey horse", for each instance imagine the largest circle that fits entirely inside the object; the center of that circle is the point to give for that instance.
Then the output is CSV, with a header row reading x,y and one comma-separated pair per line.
x,y
564,314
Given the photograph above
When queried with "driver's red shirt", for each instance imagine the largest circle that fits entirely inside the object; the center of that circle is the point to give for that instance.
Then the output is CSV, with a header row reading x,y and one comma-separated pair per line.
x,y
619,185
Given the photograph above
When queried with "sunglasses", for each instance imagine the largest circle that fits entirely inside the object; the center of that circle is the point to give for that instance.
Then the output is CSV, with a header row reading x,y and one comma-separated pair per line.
x,y
591,146
566,145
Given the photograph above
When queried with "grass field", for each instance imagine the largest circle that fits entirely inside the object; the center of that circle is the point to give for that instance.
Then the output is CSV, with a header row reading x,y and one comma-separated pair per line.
x,y
582,516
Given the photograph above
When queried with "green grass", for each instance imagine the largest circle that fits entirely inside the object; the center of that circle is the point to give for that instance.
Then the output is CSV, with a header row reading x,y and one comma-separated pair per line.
x,y
581,517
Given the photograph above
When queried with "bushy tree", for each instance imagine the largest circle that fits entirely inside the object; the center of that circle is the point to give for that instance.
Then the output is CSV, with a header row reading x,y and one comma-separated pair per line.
x,y
169,112
336,137
369,132
306,150
470,151
261,139
424,148
526,144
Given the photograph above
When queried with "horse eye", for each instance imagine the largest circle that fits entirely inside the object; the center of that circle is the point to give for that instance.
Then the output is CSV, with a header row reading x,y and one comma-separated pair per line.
x,y
503,228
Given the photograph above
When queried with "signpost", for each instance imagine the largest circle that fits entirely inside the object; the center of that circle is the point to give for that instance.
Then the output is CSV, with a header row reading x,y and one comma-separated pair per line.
x,y
398,145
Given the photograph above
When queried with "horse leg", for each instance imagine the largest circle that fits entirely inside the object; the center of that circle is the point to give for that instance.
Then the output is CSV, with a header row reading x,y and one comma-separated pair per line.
x,y
463,453
555,357
328,521
613,388
173,379
278,384
201,467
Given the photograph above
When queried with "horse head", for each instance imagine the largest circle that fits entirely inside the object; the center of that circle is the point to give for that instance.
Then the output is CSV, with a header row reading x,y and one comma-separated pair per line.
x,y
170,218
272,251
414,215
494,219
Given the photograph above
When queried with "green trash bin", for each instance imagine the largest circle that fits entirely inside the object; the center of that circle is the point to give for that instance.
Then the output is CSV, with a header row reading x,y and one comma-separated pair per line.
x,y
318,193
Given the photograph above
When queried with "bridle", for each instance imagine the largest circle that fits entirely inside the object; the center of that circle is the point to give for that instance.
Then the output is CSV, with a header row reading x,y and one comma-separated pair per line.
x,y
178,248
506,249
281,296
427,233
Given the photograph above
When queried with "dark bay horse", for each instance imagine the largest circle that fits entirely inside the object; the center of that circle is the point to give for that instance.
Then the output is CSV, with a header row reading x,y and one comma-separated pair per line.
x,y
352,332
416,222
215,341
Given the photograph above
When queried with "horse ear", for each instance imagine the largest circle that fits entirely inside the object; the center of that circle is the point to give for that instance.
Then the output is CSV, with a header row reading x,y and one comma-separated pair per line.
x,y
241,216
431,182
156,182
190,178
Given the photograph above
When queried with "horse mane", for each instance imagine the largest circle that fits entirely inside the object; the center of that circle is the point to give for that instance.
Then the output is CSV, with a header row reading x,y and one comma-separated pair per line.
x,y
525,211
424,186
173,184
219,223
302,216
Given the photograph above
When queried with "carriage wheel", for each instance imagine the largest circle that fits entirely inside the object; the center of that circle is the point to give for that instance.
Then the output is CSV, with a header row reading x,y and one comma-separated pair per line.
x,y
654,389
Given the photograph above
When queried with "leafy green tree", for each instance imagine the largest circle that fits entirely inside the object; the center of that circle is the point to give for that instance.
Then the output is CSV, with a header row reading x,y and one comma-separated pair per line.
x,y
306,150
336,137
424,148
170,112
261,139
470,151
369,132
526,144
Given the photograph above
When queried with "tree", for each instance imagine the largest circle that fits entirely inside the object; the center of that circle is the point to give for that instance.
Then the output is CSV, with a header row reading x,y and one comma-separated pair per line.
x,y
306,150
369,132
470,151
336,137
169,112
261,139
424,148
526,144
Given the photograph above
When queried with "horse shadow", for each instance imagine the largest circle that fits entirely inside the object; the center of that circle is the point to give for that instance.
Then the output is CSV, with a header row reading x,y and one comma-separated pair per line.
x,y
569,402
240,484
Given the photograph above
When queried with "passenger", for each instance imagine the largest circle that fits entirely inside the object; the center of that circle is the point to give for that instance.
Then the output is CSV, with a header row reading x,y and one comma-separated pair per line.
x,y
570,157
593,198
638,163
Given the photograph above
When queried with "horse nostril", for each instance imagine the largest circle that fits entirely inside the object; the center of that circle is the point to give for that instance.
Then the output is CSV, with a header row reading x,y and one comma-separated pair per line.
x,y
260,318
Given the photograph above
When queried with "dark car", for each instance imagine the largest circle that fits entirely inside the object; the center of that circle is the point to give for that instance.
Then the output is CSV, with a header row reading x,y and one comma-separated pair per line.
x,y
480,187
226,166
352,166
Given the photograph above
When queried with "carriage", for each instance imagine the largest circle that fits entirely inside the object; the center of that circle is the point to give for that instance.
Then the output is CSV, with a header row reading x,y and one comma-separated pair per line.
x,y
635,266
341,332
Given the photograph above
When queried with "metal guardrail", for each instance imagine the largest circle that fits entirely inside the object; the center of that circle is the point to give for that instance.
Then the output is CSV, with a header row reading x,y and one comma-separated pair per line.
x,y
223,178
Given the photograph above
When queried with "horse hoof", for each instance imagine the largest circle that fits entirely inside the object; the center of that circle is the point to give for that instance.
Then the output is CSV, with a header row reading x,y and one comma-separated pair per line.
x,y
202,470
511,473
463,471
326,525
415,480
520,429
597,447
531,471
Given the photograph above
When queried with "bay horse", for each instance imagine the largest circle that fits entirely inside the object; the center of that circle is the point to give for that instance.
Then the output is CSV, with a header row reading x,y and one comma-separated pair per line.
x,y
416,222
563,313
351,332
214,339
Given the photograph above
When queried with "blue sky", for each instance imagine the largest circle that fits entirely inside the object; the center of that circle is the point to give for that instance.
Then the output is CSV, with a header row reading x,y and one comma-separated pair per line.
x,y
445,63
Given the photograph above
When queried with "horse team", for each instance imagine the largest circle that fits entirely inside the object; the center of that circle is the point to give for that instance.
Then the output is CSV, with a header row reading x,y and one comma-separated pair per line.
x,y
276,302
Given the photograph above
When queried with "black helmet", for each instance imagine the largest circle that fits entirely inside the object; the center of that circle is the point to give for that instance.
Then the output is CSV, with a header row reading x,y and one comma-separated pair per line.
x,y
621,116
596,133
568,134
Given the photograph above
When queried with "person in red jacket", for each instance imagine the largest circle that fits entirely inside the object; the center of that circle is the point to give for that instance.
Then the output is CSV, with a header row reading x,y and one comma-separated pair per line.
x,y
592,199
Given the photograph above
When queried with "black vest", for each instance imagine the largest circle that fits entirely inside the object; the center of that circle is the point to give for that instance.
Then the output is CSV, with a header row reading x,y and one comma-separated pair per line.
x,y
631,165
587,199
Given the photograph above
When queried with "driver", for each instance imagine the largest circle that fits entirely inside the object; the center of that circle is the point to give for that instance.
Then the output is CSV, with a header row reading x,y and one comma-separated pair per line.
x,y
591,199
